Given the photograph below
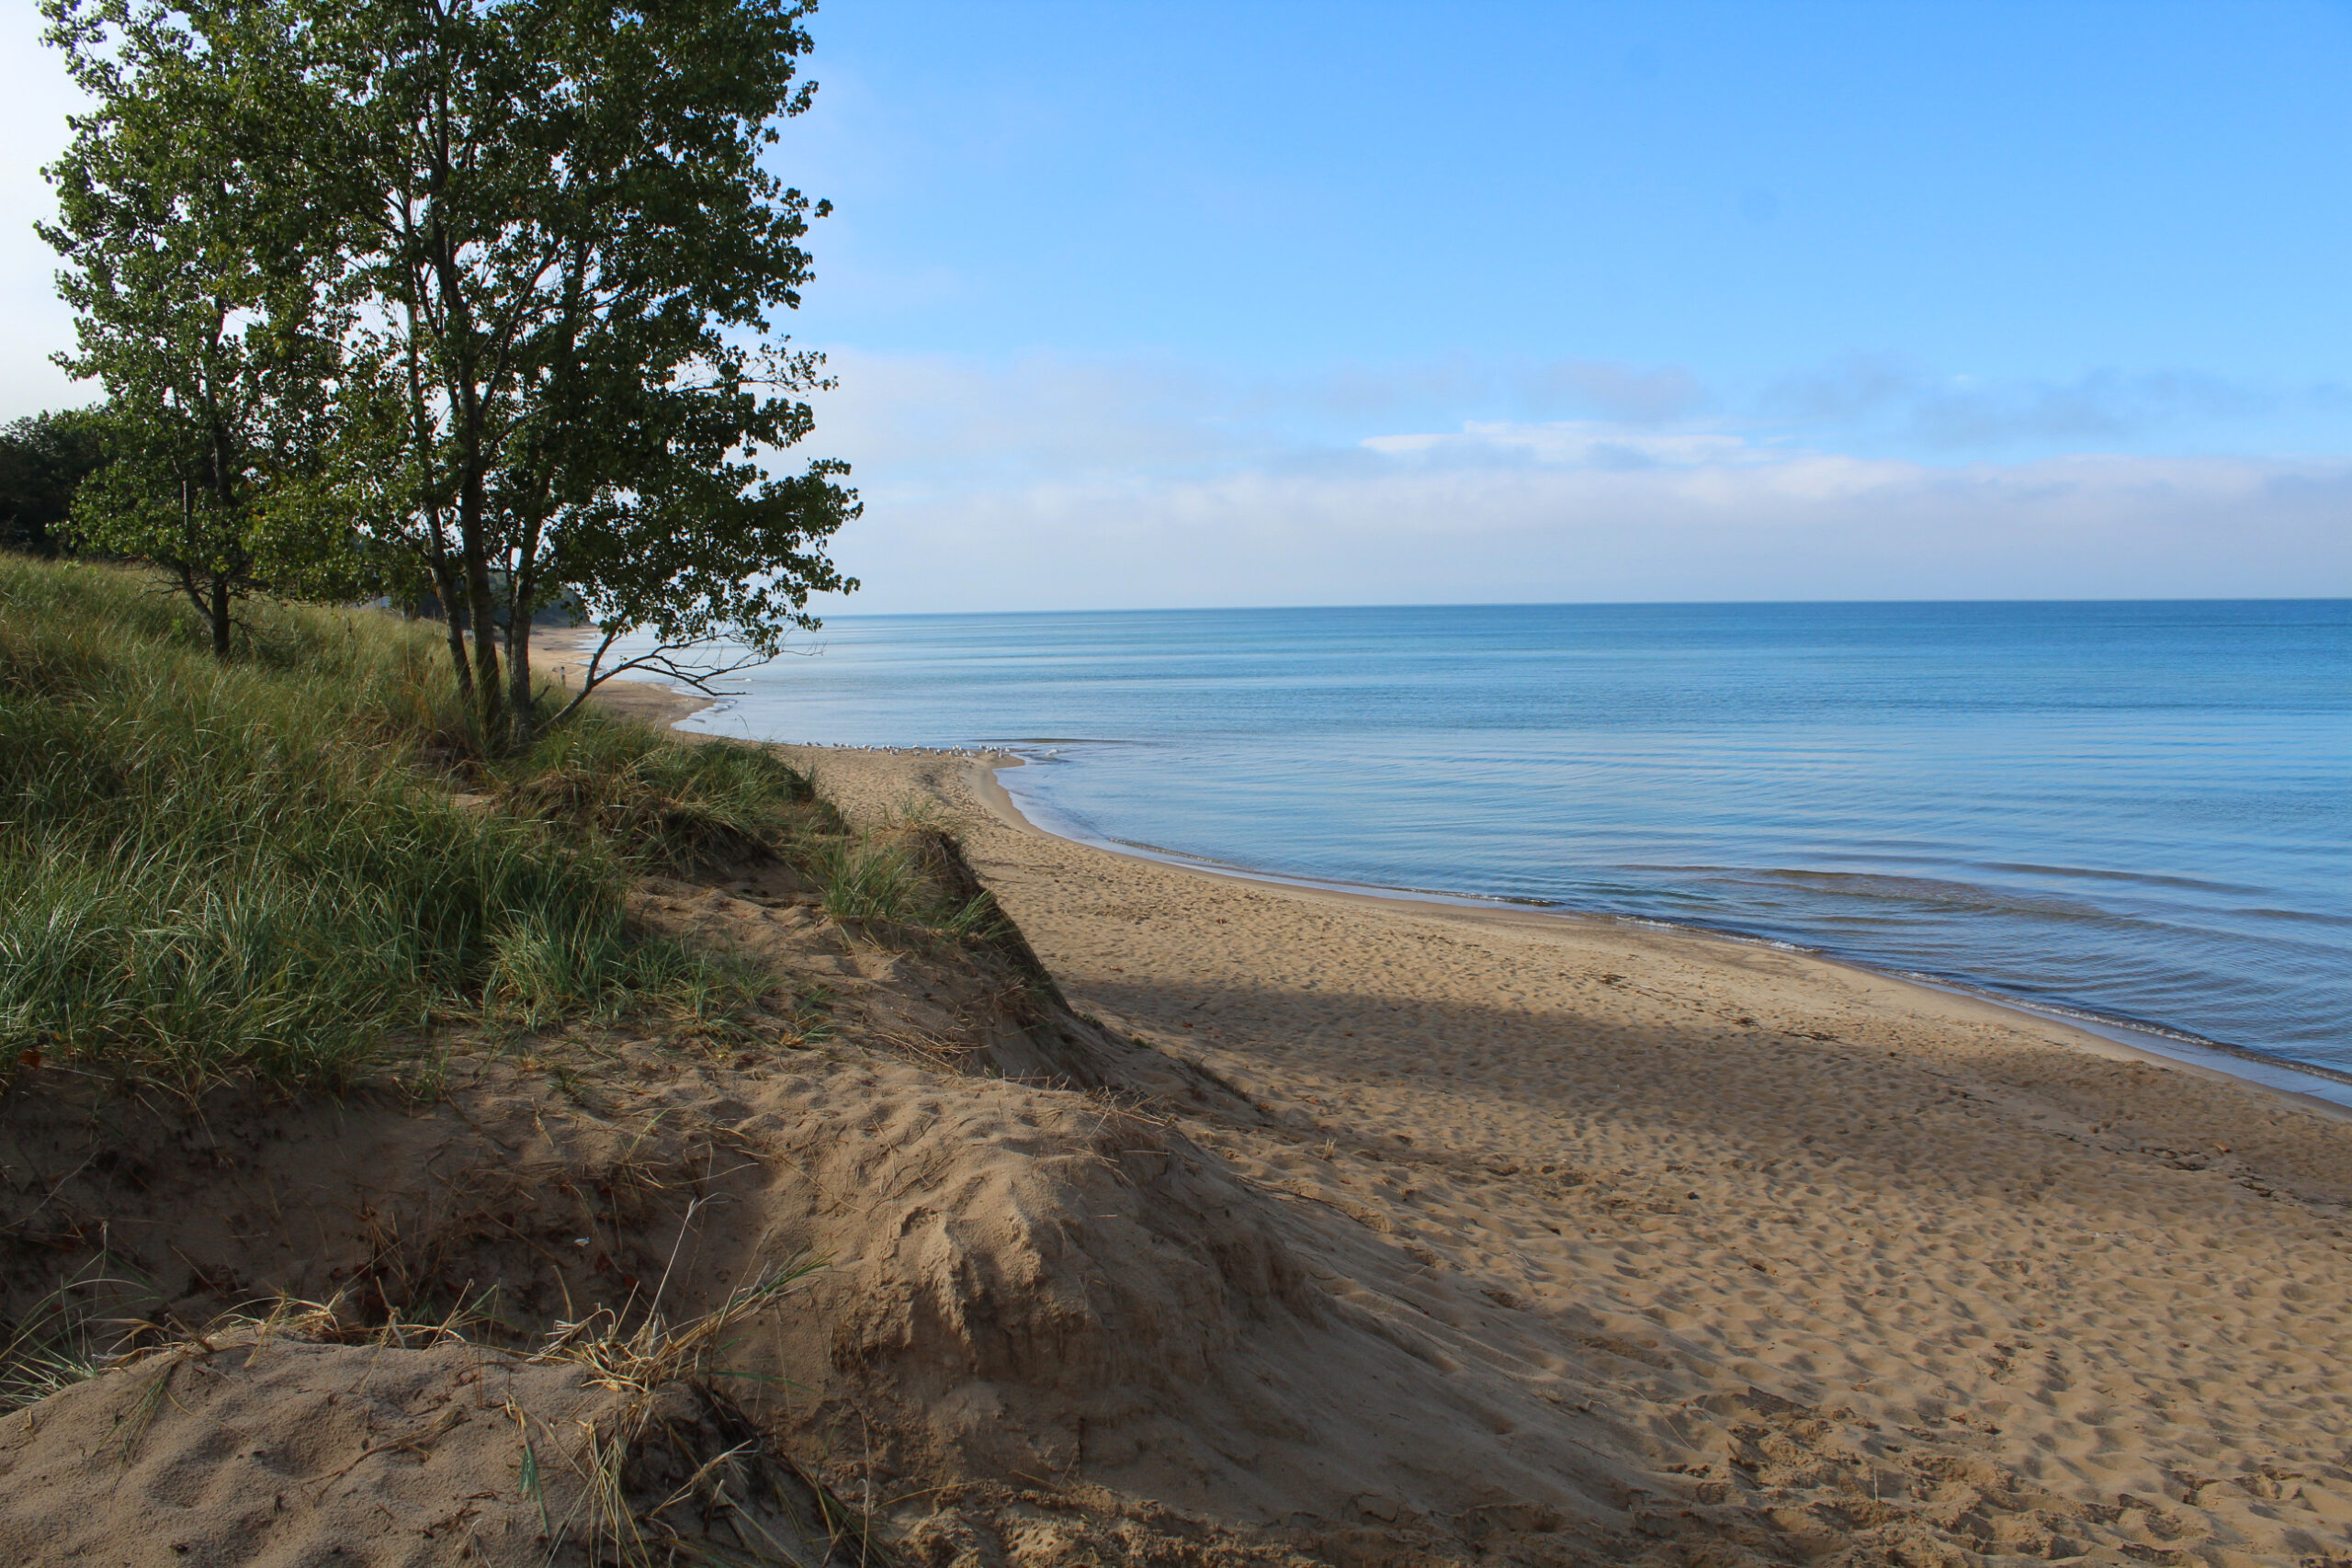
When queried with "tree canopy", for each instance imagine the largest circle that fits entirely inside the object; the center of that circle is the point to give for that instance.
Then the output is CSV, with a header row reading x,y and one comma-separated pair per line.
x,y
202,297
479,292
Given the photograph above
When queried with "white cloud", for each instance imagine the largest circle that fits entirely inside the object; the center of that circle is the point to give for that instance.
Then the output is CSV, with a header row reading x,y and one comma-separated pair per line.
x,y
1054,485
1614,391
1581,442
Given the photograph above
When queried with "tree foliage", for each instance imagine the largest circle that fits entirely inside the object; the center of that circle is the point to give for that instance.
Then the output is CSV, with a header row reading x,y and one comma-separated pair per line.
x,y
536,252
203,304
560,211
43,460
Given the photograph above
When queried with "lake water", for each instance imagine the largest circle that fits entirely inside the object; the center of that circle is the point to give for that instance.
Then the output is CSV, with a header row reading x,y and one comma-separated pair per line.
x,y
2137,811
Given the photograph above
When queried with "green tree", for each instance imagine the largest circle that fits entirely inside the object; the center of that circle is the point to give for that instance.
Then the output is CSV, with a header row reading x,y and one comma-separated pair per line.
x,y
565,253
202,294
43,460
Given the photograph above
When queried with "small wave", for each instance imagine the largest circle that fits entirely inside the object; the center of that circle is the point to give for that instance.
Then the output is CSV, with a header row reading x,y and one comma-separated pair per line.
x,y
1941,894
2304,917
2144,878
2083,1015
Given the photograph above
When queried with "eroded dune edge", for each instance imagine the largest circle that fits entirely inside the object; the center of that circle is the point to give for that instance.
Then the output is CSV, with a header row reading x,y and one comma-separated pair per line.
x,y
1187,1221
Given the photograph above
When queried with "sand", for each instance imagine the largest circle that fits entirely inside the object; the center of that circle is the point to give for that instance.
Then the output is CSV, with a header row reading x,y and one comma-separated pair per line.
x,y
1199,1223
1863,1255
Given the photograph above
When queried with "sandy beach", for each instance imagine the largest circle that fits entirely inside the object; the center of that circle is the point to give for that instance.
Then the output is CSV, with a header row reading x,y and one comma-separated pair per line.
x,y
1859,1254
1181,1220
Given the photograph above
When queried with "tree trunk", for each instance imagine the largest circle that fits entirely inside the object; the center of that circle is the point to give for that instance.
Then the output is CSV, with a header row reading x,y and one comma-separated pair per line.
x,y
473,544
518,675
522,594
522,602
489,694
481,607
218,614
453,619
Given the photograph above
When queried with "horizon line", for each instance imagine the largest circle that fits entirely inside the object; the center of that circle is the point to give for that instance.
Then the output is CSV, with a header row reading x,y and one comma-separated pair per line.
x,y
1588,605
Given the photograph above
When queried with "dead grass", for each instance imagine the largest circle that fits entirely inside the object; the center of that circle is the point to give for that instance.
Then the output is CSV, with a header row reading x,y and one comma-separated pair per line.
x,y
672,1472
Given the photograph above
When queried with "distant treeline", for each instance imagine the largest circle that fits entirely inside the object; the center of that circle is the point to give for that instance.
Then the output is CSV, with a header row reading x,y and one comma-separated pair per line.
x,y
43,460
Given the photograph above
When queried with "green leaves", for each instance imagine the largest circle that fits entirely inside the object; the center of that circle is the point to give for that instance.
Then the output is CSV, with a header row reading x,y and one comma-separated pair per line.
x,y
203,299
569,253
486,284
43,460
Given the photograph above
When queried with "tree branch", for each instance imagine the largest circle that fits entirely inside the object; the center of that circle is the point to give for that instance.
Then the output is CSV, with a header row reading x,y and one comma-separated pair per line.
x,y
662,661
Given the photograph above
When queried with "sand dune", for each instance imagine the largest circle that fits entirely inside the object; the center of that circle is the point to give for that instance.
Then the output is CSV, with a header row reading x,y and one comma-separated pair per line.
x,y
1862,1254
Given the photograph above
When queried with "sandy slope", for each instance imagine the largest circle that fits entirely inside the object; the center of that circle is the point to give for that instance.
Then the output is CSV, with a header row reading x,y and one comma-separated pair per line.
x,y
1858,1259
1353,1233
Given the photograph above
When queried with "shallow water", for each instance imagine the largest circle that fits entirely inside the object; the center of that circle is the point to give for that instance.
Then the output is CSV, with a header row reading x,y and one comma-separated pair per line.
x,y
2138,811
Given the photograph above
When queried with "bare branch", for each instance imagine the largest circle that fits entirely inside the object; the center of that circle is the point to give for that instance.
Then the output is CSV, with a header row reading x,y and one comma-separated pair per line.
x,y
665,661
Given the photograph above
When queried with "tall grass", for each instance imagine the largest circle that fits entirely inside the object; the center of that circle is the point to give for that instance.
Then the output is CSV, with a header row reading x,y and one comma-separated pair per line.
x,y
209,869
880,884
658,802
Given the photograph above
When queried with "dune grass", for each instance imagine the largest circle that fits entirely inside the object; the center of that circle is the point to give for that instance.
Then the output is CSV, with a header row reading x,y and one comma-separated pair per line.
x,y
659,803
877,881
257,868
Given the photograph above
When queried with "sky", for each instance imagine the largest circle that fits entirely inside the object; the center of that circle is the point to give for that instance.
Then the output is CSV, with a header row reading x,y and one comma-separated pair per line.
x,y
1139,303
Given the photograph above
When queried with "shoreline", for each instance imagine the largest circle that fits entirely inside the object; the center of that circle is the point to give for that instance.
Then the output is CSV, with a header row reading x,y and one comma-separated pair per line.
x,y
656,701
2114,1038
1814,1239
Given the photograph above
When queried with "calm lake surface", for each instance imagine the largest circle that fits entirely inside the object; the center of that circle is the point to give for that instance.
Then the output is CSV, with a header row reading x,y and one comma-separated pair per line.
x,y
2138,811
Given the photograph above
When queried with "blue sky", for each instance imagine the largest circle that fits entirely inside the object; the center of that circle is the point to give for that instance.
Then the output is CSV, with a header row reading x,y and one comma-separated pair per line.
x,y
1291,303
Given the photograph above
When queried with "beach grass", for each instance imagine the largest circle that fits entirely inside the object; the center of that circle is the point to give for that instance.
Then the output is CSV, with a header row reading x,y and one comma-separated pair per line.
x,y
660,804
293,864
877,883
